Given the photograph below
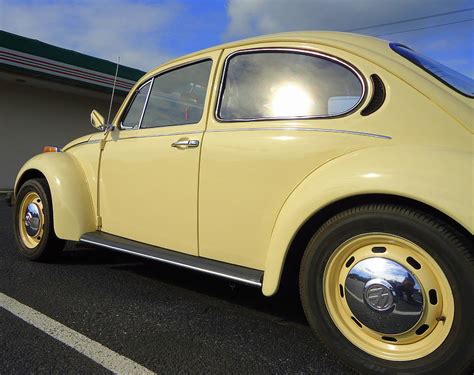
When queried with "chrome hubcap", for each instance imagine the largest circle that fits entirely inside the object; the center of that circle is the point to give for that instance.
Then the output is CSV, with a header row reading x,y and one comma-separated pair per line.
x,y
32,220
384,295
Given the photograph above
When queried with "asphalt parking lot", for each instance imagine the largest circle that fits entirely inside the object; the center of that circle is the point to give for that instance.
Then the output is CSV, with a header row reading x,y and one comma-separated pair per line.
x,y
166,319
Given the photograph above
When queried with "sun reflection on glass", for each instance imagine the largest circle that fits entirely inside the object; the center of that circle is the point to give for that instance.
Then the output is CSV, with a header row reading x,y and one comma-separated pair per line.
x,y
291,99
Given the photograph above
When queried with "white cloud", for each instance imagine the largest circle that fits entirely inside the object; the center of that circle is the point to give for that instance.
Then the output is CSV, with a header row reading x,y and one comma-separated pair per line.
x,y
146,33
255,17
105,29
252,17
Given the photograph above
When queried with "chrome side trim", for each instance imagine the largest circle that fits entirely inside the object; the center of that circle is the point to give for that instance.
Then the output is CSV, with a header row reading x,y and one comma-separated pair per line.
x,y
236,273
157,135
322,55
77,144
82,143
338,131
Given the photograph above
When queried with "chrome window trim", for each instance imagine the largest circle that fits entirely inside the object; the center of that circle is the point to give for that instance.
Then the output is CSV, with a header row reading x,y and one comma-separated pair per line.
x,y
152,80
122,126
146,102
325,56
170,69
286,128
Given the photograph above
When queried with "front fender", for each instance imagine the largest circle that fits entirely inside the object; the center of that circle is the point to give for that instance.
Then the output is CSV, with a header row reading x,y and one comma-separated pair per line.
x,y
440,178
73,212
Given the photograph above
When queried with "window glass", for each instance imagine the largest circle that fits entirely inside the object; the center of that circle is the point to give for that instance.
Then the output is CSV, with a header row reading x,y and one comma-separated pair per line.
x,y
450,77
135,109
177,97
278,84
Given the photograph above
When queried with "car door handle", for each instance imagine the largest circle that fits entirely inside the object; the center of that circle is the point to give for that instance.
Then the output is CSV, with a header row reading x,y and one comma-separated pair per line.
x,y
185,143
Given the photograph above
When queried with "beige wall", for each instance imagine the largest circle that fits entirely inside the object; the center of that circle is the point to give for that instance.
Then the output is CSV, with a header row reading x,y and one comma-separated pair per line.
x,y
35,113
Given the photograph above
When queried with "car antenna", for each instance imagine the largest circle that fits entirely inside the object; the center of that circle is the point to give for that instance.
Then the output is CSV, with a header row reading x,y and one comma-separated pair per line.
x,y
113,90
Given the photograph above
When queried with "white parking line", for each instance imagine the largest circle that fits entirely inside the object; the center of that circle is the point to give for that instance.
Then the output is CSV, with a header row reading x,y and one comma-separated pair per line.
x,y
100,354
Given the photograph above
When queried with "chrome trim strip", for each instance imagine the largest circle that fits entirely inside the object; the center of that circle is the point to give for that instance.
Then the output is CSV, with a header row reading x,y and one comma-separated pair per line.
x,y
294,50
157,135
176,263
77,144
82,143
338,131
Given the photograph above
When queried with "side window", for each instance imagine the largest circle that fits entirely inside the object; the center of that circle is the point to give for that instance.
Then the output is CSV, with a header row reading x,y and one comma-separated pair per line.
x,y
286,84
177,97
135,109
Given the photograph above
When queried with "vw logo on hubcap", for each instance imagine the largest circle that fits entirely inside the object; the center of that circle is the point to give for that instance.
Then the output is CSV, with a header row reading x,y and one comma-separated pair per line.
x,y
32,219
378,294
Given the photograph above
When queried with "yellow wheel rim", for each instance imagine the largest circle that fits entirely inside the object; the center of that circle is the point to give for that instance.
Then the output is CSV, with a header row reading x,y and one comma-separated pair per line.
x,y
436,316
31,220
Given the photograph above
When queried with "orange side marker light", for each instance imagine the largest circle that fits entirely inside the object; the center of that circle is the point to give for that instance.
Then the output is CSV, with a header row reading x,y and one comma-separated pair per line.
x,y
51,149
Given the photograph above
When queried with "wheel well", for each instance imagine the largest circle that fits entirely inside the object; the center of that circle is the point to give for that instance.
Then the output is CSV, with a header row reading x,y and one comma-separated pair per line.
x,y
28,175
289,280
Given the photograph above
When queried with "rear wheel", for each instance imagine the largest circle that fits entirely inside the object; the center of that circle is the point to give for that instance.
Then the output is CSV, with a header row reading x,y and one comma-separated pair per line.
x,y
391,290
34,231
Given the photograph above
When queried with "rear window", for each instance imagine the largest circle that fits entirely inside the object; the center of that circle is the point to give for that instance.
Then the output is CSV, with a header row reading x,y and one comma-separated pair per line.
x,y
455,80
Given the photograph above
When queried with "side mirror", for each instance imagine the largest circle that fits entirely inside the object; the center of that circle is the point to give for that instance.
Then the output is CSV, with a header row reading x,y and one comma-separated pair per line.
x,y
98,122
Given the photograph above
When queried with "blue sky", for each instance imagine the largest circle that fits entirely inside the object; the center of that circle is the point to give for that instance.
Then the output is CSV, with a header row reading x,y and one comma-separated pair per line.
x,y
149,32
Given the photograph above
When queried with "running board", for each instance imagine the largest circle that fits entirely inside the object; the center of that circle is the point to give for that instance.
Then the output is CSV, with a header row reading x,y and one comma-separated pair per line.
x,y
244,275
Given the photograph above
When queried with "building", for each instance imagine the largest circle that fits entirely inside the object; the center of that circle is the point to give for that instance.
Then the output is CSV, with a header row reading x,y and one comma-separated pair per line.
x,y
46,96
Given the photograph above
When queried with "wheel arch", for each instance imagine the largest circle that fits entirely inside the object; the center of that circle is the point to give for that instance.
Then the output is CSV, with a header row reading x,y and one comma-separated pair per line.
x,y
29,174
297,246
394,173
294,254
73,212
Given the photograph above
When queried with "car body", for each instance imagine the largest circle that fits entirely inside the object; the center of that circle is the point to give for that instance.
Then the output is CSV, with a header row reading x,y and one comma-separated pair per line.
x,y
227,178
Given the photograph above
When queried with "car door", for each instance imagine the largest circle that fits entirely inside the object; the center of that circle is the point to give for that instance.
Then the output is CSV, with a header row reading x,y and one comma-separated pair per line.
x,y
150,162
283,110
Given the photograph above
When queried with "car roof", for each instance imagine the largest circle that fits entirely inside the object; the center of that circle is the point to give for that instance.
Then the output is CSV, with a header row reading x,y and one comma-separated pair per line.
x,y
370,48
343,40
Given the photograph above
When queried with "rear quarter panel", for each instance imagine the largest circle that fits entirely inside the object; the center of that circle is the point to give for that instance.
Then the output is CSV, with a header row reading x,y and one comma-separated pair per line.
x,y
258,187
440,178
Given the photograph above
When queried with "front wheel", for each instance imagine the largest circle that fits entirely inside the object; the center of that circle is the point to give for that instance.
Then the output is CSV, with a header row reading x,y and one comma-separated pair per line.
x,y
390,289
33,221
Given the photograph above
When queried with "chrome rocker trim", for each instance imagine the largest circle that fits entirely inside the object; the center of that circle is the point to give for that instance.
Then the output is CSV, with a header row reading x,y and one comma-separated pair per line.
x,y
240,274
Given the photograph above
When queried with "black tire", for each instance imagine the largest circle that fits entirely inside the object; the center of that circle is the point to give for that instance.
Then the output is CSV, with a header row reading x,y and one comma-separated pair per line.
x,y
49,245
450,249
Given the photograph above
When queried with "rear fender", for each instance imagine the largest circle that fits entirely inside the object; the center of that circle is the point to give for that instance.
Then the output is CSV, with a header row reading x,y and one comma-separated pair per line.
x,y
436,177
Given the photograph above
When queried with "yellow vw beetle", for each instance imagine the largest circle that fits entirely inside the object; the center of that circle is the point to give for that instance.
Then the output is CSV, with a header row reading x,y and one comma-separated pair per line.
x,y
340,159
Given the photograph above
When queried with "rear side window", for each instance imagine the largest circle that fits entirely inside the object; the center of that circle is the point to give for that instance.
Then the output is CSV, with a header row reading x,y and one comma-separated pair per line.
x,y
177,97
280,84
